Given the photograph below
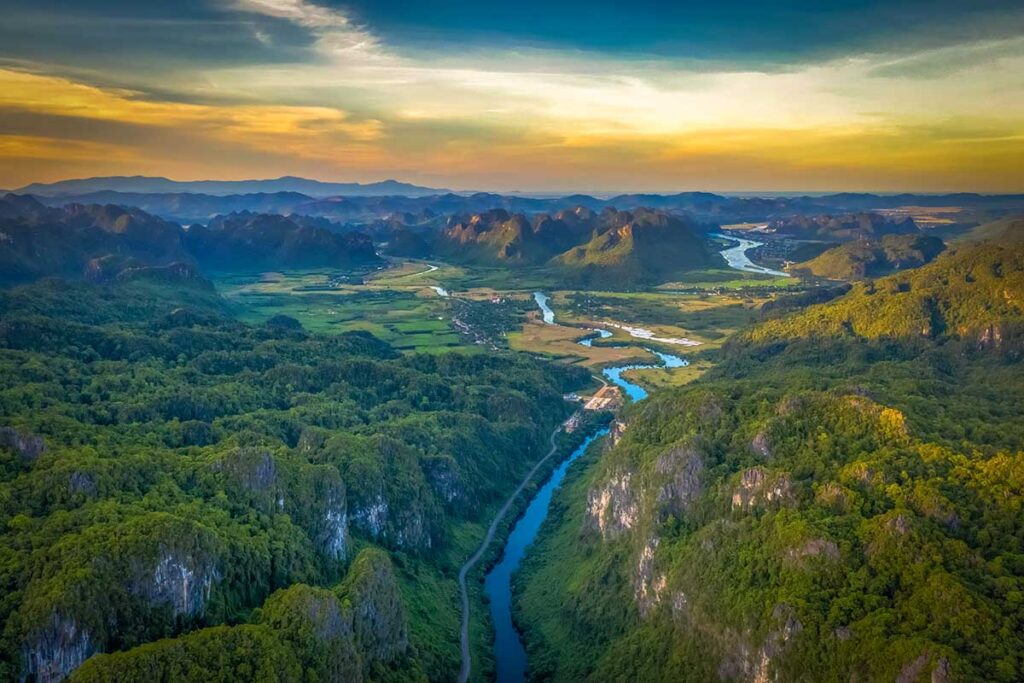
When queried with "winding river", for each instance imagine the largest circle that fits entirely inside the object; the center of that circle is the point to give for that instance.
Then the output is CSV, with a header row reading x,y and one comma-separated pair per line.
x,y
510,657
737,256
508,648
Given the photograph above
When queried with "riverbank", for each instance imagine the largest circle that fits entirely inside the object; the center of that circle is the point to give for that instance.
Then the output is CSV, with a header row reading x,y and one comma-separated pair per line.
x,y
470,580
509,652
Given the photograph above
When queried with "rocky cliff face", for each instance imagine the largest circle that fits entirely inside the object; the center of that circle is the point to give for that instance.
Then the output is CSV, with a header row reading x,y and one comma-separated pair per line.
x,y
372,516
648,581
334,533
380,622
57,650
680,472
614,506
28,446
758,487
179,580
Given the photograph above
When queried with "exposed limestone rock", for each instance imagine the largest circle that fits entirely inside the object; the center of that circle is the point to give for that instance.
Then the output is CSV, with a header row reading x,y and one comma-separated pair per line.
x,y
372,517
911,672
758,668
411,531
253,475
683,469
760,446
759,487
650,584
616,431
28,446
83,483
614,507
680,605
253,469
57,650
442,476
178,580
334,535
815,547
899,524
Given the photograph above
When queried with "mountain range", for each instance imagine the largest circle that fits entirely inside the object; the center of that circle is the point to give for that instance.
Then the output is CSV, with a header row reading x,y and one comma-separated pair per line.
x,y
198,201
104,242
873,257
148,184
837,500
611,248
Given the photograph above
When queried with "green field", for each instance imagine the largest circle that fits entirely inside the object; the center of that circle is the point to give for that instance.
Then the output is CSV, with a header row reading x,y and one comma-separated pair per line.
x,y
397,304
404,317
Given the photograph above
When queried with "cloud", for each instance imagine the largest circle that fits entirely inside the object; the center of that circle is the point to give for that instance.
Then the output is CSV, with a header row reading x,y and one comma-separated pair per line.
x,y
336,33
351,105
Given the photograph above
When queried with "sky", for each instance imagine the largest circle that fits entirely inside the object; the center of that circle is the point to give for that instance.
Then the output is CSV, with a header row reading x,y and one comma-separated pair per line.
x,y
532,96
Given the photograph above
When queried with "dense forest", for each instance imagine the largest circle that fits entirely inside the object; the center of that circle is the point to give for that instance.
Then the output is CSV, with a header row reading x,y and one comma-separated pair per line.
x,y
217,501
840,499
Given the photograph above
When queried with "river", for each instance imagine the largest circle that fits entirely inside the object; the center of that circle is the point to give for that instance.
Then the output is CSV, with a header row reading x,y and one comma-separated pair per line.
x,y
542,300
508,648
509,654
737,258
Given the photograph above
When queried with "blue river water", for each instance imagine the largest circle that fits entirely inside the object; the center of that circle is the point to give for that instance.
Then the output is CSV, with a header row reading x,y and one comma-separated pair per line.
x,y
737,257
508,649
542,300
635,391
589,341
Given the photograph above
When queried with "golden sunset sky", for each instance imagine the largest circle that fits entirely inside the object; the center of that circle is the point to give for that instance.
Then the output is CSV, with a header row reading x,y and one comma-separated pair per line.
x,y
776,96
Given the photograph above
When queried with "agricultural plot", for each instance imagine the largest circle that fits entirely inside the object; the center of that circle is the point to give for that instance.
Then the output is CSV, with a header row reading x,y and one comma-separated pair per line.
x,y
401,317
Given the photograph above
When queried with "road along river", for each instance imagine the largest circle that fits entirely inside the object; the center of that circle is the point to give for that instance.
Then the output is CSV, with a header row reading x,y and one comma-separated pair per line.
x,y
510,656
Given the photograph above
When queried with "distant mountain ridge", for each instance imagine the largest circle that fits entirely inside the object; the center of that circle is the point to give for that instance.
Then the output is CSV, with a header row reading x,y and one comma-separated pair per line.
x,y
352,203
149,184
611,248
108,242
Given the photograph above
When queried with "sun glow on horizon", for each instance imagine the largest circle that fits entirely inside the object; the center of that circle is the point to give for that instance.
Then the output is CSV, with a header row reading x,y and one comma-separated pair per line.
x,y
354,108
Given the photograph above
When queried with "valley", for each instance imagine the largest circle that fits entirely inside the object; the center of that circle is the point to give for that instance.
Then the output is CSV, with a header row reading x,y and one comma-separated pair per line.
x,y
431,437
376,341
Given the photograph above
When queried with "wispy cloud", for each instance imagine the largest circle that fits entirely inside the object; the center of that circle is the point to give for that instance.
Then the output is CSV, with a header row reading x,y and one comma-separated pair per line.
x,y
353,105
336,34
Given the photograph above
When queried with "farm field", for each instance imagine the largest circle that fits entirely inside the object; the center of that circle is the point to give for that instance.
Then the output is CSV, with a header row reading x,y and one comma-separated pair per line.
x,y
401,304
407,318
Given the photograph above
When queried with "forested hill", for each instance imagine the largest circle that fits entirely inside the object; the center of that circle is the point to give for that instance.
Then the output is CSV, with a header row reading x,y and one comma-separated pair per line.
x,y
842,498
873,257
609,248
296,504
969,292
105,242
